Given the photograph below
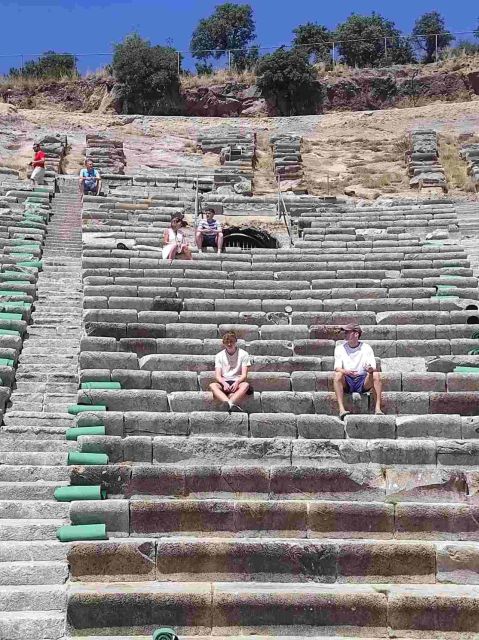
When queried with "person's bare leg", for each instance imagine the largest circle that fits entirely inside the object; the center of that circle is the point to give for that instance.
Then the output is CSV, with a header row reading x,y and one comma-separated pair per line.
x,y
339,390
237,396
219,242
373,383
186,253
218,392
199,240
172,253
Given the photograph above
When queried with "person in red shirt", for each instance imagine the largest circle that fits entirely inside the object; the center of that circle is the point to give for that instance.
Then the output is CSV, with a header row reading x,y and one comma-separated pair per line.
x,y
38,164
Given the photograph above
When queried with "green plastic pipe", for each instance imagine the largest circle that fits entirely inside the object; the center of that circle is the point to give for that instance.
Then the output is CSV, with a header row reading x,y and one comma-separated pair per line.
x,y
445,287
25,241
9,332
75,432
6,362
75,409
100,384
14,275
13,293
31,263
79,492
442,296
165,633
475,335
474,352
466,369
77,532
79,457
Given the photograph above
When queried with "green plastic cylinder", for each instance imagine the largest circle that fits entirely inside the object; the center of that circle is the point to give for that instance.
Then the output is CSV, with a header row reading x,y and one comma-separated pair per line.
x,y
76,432
100,384
79,492
75,409
12,293
6,362
9,332
79,457
4,315
474,352
77,532
31,263
165,633
466,370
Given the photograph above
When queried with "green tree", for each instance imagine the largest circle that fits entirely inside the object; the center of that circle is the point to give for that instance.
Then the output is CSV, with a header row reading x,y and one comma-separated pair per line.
x,y
476,31
288,81
147,76
49,65
313,39
427,29
371,41
230,27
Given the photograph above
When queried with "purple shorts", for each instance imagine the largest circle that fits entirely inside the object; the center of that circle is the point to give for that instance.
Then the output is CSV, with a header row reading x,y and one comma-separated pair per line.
x,y
355,385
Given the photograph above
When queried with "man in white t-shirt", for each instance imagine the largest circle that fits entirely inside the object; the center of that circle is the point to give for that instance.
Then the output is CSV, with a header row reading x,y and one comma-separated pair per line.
x,y
231,370
355,369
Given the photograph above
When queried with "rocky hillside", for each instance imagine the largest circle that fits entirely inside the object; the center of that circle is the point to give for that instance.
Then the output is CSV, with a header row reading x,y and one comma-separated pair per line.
x,y
228,96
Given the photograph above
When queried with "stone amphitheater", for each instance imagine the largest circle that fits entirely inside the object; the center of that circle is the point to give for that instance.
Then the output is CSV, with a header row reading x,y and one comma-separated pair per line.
x,y
279,521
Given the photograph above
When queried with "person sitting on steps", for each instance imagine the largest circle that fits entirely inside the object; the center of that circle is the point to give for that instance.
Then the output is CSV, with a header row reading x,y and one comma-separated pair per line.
x,y
209,232
355,369
231,370
174,245
89,180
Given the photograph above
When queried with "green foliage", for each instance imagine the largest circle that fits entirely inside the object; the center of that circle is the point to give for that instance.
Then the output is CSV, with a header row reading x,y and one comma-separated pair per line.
x,y
287,80
204,68
314,40
384,88
49,65
361,42
463,47
148,77
231,26
425,30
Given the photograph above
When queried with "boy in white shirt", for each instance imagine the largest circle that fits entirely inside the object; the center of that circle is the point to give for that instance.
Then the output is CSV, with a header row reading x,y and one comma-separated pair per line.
x,y
231,369
355,369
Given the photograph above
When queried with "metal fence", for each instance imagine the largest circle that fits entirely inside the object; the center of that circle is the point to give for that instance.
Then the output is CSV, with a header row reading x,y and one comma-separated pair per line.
x,y
225,58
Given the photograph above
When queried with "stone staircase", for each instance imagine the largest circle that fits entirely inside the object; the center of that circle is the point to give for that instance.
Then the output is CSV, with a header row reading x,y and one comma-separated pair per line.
x,y
282,520
33,450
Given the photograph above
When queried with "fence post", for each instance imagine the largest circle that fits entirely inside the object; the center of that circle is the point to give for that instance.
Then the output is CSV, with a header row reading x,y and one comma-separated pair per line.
x,y
385,47
178,61
229,60
334,53
437,54
23,62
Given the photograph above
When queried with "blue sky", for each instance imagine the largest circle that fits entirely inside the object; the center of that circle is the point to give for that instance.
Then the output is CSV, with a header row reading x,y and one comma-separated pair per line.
x,y
93,26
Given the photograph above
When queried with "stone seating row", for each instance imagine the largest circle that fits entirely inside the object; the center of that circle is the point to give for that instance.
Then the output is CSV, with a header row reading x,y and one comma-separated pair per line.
x,y
423,161
127,426
308,402
345,561
287,160
107,153
55,148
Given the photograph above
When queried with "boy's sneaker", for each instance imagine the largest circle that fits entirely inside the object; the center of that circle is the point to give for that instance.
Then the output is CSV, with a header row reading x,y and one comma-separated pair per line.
x,y
235,408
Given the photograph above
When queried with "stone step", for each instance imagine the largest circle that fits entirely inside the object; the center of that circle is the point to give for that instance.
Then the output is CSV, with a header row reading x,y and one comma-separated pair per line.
x,y
37,597
32,625
33,551
274,560
29,573
30,529
254,609
28,490
281,518
9,443
32,458
31,509
32,473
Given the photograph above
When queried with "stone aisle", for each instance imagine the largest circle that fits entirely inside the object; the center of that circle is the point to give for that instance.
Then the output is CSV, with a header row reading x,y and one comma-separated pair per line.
x,y
33,451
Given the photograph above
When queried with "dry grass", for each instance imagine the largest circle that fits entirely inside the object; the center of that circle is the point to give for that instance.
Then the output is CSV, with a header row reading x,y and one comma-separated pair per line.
x,y
222,76
454,166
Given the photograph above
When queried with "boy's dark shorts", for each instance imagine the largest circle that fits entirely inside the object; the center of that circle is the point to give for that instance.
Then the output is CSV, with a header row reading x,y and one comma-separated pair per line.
x,y
209,241
355,385
249,392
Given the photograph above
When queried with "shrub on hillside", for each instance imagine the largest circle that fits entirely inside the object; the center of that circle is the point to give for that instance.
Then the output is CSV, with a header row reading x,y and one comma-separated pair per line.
x,y
372,41
314,40
148,77
288,81
49,65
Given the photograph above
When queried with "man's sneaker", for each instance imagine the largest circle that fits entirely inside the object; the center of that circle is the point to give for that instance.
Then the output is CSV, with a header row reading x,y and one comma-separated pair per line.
x,y
356,396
